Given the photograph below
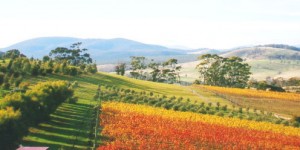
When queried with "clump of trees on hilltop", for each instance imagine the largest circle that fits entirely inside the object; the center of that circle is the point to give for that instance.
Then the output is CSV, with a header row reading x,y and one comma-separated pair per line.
x,y
71,61
143,69
219,71
67,61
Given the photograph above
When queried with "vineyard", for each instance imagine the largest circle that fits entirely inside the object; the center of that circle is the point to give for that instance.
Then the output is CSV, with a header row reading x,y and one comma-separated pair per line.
x,y
146,115
249,93
113,93
277,102
130,126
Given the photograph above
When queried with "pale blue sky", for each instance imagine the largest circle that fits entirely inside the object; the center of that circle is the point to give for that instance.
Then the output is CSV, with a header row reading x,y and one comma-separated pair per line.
x,y
190,23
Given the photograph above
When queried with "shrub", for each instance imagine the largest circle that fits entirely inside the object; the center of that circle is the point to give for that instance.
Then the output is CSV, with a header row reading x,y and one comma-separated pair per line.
x,y
182,108
224,108
202,104
220,114
202,111
176,107
209,104
11,128
295,124
285,122
72,70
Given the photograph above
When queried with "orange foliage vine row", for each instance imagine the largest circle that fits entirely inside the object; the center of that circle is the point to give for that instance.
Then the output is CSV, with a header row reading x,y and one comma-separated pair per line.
x,y
134,129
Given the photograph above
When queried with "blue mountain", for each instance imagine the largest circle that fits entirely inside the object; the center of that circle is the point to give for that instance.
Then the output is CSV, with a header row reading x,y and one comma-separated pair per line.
x,y
101,50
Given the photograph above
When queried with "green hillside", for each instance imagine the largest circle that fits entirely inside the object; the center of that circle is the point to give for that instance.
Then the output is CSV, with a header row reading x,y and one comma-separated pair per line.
x,y
69,125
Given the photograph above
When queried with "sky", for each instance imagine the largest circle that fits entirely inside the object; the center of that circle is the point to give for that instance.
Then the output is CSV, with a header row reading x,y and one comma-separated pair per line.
x,y
178,23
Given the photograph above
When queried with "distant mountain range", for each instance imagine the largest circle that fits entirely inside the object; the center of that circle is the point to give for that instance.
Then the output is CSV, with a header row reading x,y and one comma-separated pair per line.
x,y
204,51
101,50
106,51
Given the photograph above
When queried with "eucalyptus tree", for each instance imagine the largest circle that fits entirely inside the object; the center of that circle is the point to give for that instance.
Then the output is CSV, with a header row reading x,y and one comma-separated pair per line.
x,y
219,71
138,66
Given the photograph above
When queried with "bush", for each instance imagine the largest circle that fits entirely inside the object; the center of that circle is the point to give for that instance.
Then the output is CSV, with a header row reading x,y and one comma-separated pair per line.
x,y
211,112
202,111
167,105
224,108
49,96
11,128
285,122
202,104
176,107
295,124
72,70
182,108
220,114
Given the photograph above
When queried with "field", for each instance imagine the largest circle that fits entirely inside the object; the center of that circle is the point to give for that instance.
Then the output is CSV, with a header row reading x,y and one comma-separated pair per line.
x,y
70,126
277,102
129,126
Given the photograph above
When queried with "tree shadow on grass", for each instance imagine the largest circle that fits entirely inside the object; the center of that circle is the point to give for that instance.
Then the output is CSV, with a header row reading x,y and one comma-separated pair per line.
x,y
66,127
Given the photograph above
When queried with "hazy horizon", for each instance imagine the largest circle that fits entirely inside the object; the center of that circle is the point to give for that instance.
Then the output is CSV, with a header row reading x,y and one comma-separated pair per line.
x,y
193,23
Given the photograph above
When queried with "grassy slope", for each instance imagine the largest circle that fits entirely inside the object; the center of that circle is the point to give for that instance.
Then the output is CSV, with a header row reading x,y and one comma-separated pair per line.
x,y
137,85
69,125
274,68
71,120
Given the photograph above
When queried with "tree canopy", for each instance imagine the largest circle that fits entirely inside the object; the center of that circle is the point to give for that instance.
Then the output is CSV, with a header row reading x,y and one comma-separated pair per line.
x,y
13,53
74,55
219,71
167,71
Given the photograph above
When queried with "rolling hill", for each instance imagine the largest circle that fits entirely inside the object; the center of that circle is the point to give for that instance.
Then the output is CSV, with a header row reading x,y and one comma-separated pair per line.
x,y
69,126
101,50
204,51
263,52
264,62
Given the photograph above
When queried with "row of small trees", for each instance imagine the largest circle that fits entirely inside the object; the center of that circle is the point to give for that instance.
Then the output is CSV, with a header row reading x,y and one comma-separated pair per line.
x,y
19,110
112,93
